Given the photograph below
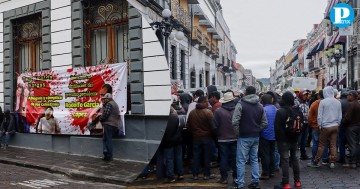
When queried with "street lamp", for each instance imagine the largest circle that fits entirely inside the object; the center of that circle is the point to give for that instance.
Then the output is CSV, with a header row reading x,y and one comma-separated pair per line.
x,y
166,27
336,57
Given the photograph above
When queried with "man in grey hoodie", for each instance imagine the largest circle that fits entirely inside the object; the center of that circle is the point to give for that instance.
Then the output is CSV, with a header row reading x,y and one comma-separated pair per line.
x,y
248,121
329,119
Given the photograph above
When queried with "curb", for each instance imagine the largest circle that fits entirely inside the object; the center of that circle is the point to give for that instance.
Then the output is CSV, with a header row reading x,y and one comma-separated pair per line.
x,y
68,172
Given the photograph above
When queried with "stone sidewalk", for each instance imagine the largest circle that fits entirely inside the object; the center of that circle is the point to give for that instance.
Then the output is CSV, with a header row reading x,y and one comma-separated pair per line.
x,y
80,167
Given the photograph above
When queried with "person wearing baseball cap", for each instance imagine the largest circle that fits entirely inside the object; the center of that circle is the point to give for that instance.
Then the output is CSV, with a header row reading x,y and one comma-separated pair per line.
x,y
301,102
109,119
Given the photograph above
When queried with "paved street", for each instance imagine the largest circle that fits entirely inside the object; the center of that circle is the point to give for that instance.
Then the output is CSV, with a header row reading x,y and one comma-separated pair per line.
x,y
311,178
13,176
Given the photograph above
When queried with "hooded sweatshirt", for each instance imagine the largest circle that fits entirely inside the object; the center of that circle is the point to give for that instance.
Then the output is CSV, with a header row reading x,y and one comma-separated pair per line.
x,y
222,122
249,117
329,113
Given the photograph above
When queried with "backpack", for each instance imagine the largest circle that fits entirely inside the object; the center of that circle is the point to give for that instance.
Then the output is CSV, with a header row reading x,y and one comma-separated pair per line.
x,y
294,122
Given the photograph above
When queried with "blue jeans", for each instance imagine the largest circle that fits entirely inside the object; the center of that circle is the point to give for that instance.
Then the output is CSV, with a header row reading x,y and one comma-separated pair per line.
x,y
247,147
7,136
303,139
315,145
202,145
227,152
173,156
109,132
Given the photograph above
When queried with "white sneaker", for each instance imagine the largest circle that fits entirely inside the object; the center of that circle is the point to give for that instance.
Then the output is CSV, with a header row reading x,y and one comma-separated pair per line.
x,y
332,165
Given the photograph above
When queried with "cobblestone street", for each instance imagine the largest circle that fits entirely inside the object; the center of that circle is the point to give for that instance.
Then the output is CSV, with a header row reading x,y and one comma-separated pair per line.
x,y
311,178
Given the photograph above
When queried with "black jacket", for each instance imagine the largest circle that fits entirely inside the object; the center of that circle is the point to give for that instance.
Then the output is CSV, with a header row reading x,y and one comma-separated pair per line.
x,y
172,136
280,122
8,124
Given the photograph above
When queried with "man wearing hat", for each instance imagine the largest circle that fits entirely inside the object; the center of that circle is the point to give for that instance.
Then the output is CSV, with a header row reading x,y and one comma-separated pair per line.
x,y
351,123
226,136
109,118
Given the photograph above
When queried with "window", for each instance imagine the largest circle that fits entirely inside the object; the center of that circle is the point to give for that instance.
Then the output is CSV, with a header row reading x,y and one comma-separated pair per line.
x,y
173,62
182,67
201,78
106,31
27,43
213,79
192,78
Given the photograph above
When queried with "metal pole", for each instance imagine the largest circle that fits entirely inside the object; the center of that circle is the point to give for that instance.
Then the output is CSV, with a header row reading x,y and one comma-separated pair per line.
x,y
167,49
337,73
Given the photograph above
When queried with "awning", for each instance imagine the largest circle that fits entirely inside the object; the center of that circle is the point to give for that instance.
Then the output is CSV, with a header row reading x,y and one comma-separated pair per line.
x,y
320,46
332,41
343,81
329,83
312,52
334,82
340,39
294,58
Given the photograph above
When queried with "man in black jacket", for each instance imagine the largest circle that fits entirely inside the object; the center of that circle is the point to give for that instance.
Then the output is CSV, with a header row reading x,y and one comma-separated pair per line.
x,y
7,128
286,143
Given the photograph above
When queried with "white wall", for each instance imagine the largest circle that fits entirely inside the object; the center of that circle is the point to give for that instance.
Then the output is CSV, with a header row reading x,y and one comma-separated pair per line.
x,y
1,61
157,86
61,34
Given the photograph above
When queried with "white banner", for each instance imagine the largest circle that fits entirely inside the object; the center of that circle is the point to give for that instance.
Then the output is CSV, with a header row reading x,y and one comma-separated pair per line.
x,y
71,96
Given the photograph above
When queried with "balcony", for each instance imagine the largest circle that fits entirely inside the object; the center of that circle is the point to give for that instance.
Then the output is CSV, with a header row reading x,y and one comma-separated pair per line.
x,y
181,15
205,45
211,50
196,36
313,66
207,42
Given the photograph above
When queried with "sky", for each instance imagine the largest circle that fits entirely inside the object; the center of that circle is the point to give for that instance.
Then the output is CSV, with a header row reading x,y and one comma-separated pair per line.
x,y
264,30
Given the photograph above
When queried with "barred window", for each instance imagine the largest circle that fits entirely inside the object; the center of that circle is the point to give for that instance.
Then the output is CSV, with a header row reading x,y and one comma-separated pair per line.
x,y
27,43
173,62
105,31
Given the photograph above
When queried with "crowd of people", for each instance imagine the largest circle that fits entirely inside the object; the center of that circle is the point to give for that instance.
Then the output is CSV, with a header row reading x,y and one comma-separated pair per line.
x,y
269,128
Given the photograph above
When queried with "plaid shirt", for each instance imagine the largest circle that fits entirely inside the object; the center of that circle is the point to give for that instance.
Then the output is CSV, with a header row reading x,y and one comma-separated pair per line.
x,y
304,107
107,109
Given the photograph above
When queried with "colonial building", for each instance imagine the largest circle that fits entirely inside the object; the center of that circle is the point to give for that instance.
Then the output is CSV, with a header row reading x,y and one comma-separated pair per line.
x,y
40,35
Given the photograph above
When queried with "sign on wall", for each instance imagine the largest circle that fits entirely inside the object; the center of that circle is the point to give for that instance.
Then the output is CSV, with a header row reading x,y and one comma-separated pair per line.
x,y
62,101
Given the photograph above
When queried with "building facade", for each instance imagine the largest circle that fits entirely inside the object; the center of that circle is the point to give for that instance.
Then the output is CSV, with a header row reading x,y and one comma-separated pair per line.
x,y
40,35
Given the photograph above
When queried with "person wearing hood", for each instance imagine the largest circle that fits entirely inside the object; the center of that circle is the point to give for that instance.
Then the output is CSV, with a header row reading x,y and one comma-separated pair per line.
x,y
248,121
7,128
226,136
199,125
267,139
329,119
287,144
313,113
